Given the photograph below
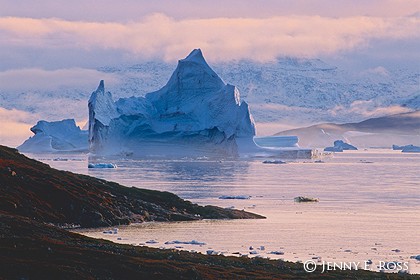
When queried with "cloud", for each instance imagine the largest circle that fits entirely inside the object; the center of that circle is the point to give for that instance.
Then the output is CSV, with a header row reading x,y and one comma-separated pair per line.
x,y
14,126
160,36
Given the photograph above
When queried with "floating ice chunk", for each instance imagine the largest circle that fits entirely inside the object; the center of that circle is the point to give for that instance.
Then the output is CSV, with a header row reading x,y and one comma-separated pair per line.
x,y
333,149
113,231
305,199
276,253
365,161
253,252
151,241
192,242
274,162
234,197
415,257
262,248
212,252
60,159
102,165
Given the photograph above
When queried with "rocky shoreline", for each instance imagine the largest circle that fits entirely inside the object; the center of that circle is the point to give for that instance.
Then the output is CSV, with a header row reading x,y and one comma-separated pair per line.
x,y
33,189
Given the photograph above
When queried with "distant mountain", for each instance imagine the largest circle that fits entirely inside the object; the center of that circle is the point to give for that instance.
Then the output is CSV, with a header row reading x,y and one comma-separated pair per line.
x,y
291,89
375,132
287,90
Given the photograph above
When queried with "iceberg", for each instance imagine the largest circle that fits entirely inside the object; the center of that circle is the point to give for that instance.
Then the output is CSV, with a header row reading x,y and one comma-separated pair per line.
x,y
274,162
407,148
102,165
57,136
195,114
277,252
192,242
340,146
234,197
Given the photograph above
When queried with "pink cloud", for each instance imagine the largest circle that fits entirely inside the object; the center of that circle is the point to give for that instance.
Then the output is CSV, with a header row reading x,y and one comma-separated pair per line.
x,y
159,36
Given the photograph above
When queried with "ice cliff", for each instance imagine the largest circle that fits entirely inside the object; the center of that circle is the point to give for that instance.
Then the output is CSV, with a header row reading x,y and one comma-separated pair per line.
x,y
195,113
58,136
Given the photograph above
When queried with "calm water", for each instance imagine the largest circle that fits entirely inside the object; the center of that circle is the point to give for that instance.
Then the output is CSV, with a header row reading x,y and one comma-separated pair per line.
x,y
369,205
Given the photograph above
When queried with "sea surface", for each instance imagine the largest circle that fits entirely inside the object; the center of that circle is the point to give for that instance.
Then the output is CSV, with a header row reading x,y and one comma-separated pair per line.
x,y
368,209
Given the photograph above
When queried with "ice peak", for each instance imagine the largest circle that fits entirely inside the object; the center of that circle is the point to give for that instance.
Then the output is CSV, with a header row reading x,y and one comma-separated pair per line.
x,y
101,104
101,86
195,56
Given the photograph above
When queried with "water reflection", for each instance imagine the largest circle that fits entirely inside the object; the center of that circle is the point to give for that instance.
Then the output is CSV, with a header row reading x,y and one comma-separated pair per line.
x,y
189,179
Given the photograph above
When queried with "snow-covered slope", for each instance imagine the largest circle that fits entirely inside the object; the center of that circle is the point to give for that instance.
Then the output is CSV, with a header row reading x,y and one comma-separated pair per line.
x,y
195,113
288,90
59,136
296,87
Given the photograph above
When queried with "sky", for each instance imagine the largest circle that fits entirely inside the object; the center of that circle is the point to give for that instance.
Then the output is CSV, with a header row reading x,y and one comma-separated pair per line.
x,y
59,34
47,41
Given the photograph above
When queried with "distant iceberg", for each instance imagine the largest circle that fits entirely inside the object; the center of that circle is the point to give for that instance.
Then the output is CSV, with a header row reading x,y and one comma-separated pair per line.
x,y
276,161
340,146
407,148
194,114
400,148
235,197
58,136
102,165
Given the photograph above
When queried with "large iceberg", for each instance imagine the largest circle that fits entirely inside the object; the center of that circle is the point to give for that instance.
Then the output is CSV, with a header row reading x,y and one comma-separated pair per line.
x,y
57,136
339,146
194,114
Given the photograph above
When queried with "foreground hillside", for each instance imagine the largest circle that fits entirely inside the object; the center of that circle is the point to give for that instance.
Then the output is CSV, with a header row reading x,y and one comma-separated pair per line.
x,y
35,190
